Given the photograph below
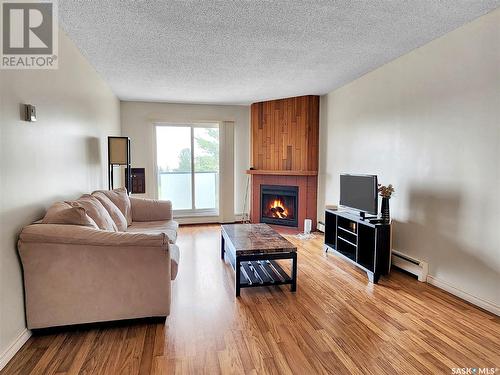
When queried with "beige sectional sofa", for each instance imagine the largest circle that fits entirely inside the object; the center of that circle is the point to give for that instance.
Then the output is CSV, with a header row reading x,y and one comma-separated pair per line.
x,y
105,256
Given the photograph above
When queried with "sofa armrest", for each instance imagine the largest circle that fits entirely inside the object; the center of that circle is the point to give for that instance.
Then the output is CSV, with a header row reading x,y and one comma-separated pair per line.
x,y
80,235
150,209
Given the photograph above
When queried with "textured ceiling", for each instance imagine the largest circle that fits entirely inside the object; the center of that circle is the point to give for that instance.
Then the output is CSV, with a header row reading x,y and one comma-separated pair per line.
x,y
235,52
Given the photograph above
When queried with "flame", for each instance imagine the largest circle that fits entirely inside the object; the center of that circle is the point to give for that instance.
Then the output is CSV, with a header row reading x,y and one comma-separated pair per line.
x,y
278,209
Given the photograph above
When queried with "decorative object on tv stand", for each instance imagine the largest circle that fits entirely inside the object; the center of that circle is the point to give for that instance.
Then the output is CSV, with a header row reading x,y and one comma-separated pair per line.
x,y
119,154
386,193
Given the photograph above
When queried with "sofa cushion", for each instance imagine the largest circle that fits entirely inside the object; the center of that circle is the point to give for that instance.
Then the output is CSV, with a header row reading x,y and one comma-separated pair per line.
x,y
169,227
63,213
96,211
86,236
144,209
113,210
121,199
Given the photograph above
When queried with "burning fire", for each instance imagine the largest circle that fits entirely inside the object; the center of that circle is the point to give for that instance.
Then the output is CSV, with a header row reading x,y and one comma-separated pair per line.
x,y
278,209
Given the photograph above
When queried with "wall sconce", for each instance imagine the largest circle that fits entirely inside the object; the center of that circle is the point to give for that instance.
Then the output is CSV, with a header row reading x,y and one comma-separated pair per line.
x,y
29,113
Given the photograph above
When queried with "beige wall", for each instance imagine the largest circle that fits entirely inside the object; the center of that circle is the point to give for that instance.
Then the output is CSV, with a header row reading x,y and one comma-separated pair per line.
x,y
137,120
60,156
429,123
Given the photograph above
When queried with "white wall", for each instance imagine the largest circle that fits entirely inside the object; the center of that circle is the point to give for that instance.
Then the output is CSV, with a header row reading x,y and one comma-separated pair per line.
x,y
429,123
60,156
137,120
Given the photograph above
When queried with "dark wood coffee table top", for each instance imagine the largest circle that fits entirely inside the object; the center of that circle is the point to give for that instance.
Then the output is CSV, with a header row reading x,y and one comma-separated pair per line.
x,y
256,239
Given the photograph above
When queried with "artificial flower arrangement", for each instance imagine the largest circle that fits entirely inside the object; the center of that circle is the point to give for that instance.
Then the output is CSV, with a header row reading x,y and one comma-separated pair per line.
x,y
385,191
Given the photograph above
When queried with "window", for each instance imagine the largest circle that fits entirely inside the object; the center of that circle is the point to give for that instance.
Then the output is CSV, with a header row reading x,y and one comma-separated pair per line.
x,y
187,158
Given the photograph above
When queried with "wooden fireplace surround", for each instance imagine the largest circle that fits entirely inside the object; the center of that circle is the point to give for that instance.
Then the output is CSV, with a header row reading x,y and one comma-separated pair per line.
x,y
284,146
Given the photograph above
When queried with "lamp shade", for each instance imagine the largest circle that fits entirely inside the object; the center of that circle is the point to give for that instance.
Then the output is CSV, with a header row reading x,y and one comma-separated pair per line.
x,y
118,150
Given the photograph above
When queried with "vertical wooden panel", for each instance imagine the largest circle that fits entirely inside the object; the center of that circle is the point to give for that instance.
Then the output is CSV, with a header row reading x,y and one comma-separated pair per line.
x,y
313,136
285,134
261,114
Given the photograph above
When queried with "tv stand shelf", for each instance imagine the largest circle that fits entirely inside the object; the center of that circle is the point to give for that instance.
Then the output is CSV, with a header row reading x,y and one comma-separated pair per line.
x,y
364,243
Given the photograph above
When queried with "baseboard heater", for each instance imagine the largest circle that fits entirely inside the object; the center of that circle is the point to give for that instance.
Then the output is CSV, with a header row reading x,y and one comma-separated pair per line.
x,y
411,265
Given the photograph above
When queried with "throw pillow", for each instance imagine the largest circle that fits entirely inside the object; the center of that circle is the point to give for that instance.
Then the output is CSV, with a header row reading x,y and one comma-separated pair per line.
x,y
96,211
121,199
63,213
113,210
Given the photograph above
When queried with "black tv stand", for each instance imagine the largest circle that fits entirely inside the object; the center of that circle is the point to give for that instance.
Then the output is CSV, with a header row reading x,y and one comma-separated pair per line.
x,y
363,243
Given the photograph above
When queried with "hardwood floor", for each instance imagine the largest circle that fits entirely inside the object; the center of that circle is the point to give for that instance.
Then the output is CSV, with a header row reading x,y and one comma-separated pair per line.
x,y
336,323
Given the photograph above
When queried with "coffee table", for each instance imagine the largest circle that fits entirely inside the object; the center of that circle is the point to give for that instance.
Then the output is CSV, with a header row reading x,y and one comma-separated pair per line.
x,y
252,250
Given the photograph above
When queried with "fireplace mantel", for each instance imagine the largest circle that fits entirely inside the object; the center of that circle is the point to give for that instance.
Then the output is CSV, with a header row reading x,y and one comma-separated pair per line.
x,y
282,173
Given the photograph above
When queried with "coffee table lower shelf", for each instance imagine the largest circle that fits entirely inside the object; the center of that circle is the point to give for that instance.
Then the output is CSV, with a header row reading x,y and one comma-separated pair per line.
x,y
262,273
258,270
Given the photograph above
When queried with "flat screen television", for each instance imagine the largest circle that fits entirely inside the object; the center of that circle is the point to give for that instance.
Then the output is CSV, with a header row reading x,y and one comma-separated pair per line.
x,y
359,192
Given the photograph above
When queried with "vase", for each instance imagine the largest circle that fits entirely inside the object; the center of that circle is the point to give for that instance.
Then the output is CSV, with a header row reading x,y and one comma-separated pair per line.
x,y
386,217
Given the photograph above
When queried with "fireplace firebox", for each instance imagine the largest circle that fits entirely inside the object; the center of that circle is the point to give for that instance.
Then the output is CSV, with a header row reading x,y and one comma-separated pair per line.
x,y
279,205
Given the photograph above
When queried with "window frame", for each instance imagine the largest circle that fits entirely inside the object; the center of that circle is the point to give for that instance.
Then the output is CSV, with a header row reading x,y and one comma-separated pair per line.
x,y
193,212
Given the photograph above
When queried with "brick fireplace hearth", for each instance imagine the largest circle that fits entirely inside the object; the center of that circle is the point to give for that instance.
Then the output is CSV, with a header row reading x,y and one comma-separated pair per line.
x,y
306,196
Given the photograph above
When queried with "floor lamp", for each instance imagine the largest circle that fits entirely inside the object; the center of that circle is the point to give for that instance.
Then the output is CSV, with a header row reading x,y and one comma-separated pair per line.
x,y
119,154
